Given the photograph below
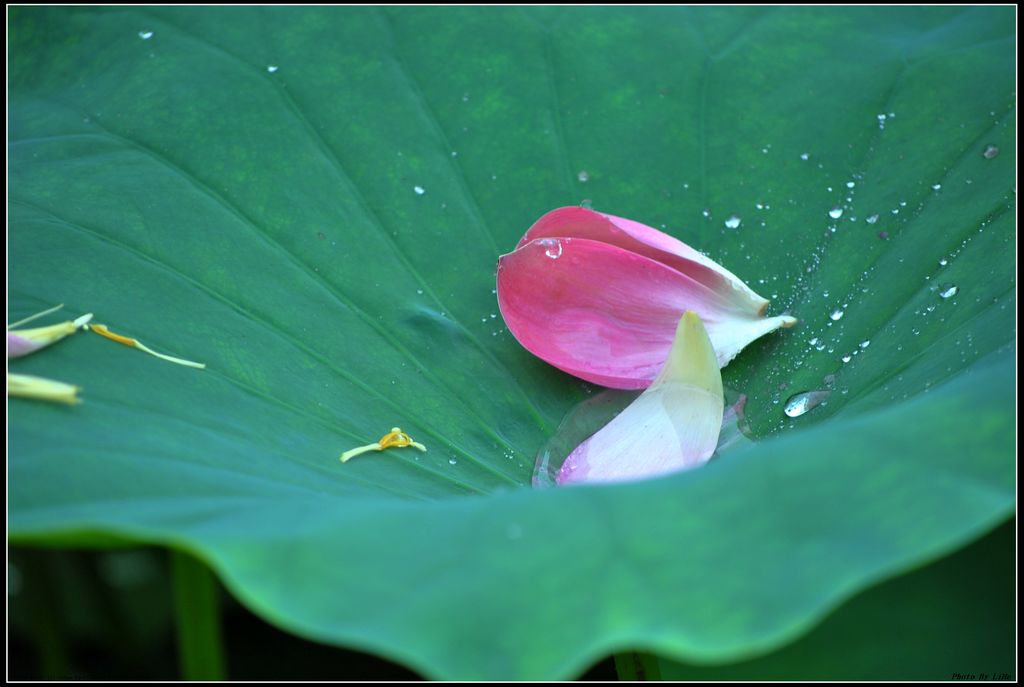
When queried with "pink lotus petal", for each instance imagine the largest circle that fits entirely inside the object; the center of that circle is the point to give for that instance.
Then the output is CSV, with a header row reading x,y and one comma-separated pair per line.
x,y
674,425
577,222
608,315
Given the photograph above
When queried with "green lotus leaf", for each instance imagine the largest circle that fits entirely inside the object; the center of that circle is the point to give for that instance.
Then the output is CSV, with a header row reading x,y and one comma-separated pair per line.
x,y
311,202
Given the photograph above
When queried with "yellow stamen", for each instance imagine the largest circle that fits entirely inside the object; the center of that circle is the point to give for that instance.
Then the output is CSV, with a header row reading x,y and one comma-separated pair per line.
x,y
27,386
44,336
102,330
396,438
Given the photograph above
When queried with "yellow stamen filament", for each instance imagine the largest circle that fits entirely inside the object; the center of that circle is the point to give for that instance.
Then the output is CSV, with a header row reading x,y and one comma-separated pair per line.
x,y
396,438
35,317
102,330
27,386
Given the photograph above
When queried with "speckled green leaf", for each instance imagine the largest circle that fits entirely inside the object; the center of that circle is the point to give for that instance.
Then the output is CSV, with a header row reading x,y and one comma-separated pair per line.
x,y
312,201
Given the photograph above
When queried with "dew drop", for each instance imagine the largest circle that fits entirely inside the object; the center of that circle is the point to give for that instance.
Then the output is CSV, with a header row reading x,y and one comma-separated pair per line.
x,y
552,248
936,187
586,204
864,344
706,213
990,150
836,212
733,222
943,262
583,176
145,35
847,358
805,402
948,290
837,314
872,219
419,190
805,156
272,68
452,461
850,184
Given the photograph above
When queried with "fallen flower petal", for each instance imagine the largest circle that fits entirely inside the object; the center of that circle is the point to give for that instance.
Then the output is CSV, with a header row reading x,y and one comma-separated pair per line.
x,y
24,341
396,438
673,425
27,386
599,297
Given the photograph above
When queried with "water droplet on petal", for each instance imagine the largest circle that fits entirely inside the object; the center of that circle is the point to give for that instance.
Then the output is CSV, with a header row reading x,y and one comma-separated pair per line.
x,y
552,248
836,212
733,222
948,290
805,402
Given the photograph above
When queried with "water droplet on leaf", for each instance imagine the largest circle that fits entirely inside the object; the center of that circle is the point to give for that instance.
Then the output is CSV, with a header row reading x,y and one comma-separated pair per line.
x,y
805,402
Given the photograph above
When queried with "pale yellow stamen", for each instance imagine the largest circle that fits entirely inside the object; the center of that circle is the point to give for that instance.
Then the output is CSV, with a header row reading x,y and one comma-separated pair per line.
x,y
35,317
44,336
102,330
27,386
396,438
